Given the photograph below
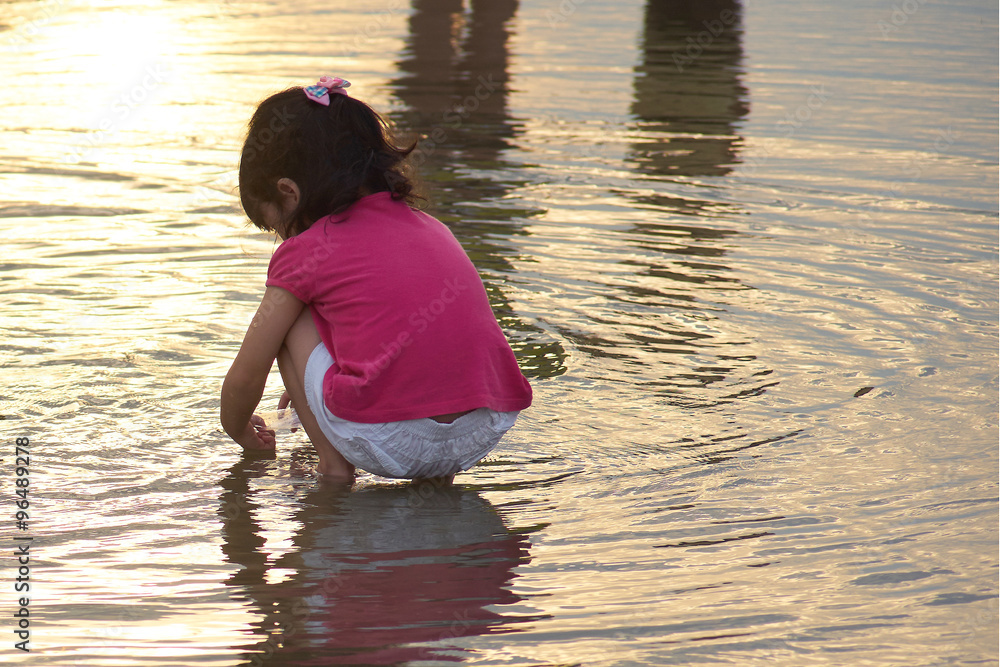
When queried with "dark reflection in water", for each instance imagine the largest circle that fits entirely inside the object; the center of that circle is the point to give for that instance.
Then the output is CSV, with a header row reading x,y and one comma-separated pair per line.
x,y
689,99
654,316
688,103
688,88
454,83
372,575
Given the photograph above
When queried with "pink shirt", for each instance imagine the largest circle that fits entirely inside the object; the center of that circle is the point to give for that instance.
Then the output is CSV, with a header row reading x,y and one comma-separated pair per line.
x,y
403,312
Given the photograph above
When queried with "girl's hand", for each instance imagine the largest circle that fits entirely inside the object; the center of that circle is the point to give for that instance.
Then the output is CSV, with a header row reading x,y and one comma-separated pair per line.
x,y
284,402
256,435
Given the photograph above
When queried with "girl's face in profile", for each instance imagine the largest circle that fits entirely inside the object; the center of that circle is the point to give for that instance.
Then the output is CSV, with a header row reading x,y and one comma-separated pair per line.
x,y
274,217
278,215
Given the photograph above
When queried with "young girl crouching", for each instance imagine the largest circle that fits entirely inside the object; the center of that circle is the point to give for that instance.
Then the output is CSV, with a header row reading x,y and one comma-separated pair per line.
x,y
381,326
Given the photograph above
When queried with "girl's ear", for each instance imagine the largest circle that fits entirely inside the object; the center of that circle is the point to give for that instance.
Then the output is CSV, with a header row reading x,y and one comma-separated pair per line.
x,y
289,191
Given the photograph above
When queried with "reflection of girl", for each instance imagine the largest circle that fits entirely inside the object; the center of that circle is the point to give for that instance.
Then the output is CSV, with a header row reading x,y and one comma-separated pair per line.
x,y
398,365
373,575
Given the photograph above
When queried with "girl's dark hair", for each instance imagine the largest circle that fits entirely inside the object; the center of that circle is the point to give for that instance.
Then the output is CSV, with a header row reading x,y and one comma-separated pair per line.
x,y
335,154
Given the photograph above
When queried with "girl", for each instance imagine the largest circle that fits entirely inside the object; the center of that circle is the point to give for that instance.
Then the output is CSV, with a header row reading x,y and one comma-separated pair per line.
x,y
384,336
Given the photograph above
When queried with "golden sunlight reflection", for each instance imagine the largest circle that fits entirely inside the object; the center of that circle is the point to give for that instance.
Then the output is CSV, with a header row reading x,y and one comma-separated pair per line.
x,y
107,60
115,77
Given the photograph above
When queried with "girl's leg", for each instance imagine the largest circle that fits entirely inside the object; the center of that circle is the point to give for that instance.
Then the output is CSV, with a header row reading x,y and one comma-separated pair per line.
x,y
299,343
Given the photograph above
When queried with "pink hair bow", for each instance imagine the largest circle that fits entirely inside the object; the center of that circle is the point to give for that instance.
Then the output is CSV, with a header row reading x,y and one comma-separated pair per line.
x,y
327,85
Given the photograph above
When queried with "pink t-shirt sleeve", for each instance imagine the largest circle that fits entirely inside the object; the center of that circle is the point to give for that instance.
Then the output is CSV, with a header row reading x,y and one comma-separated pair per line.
x,y
290,269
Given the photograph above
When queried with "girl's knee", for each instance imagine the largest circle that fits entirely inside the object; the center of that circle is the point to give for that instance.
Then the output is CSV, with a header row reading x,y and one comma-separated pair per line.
x,y
300,341
304,323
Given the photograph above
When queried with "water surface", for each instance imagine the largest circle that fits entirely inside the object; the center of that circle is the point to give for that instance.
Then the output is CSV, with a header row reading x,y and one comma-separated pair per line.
x,y
746,253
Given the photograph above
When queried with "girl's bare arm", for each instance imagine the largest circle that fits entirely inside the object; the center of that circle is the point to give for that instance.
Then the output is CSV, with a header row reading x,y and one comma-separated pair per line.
x,y
244,383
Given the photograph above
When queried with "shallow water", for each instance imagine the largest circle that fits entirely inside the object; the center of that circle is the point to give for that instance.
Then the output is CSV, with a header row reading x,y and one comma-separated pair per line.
x,y
747,255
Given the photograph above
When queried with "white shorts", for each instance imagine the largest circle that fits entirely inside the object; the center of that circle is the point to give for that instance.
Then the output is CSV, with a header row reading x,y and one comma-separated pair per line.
x,y
407,449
